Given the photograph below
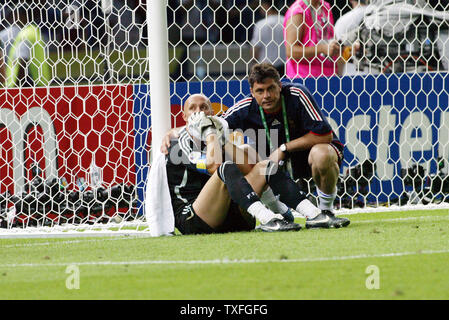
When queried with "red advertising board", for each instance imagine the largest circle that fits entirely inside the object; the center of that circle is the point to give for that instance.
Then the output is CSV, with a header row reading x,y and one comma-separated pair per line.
x,y
62,129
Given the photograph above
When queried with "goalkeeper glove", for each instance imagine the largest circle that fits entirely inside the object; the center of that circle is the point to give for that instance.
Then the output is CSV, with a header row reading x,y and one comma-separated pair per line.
x,y
200,126
221,129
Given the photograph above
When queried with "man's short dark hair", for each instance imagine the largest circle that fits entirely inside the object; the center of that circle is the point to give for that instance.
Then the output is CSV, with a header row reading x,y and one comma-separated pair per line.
x,y
262,71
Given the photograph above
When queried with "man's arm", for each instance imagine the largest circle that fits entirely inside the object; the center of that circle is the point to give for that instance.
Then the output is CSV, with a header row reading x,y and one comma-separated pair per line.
x,y
171,134
305,142
213,153
296,50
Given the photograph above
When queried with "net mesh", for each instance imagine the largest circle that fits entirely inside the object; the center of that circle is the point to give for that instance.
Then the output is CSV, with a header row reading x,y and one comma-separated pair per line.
x,y
75,118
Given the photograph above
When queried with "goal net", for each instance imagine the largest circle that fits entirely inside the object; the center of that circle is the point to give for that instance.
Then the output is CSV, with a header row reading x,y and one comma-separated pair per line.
x,y
76,117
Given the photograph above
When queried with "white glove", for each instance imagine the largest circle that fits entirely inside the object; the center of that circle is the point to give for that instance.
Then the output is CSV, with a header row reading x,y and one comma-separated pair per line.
x,y
200,126
192,125
220,130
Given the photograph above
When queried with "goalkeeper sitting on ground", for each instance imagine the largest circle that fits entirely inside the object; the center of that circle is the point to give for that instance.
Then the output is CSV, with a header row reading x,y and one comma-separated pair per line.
x,y
211,195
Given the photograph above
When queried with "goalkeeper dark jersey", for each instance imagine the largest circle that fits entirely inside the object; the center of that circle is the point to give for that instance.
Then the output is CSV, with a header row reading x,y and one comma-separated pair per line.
x,y
185,176
303,116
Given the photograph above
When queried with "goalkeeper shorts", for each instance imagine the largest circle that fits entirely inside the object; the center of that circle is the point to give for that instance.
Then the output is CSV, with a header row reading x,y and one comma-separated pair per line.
x,y
188,222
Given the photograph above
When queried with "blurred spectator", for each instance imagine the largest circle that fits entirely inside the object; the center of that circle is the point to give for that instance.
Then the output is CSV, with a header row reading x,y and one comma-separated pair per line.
x,y
26,58
268,37
235,19
49,15
175,15
195,18
84,24
84,20
345,32
127,26
190,23
310,48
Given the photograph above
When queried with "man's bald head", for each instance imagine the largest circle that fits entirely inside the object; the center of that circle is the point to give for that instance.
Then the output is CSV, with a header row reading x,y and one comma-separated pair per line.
x,y
196,103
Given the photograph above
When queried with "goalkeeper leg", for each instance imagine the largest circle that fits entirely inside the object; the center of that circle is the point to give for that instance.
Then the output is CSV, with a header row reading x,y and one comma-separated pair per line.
x,y
229,186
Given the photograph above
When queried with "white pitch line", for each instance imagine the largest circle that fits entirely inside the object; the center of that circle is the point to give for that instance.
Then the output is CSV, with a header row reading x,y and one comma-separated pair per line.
x,y
222,261
405,219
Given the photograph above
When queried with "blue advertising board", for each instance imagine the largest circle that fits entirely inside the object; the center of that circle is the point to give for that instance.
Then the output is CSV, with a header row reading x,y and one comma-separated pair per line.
x,y
396,120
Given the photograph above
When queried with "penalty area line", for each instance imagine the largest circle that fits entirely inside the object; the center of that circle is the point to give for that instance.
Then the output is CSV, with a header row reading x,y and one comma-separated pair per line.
x,y
223,261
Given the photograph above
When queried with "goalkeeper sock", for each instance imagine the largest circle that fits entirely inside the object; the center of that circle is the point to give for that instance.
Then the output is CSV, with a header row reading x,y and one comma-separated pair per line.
x,y
285,187
262,213
289,191
326,200
272,202
242,193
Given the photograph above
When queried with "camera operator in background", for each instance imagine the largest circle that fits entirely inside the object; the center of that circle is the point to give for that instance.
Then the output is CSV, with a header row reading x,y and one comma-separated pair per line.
x,y
394,36
343,27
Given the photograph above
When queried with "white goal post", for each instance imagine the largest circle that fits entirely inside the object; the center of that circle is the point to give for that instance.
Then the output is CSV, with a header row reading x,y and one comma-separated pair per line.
x,y
89,88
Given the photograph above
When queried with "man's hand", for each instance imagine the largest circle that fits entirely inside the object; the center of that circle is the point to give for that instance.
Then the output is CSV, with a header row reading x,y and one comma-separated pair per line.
x,y
329,49
200,126
277,155
221,131
334,48
171,134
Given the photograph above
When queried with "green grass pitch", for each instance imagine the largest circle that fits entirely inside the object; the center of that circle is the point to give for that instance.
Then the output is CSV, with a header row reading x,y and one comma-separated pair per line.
x,y
408,251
